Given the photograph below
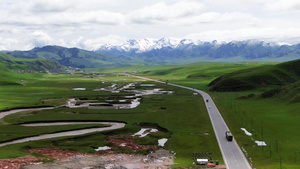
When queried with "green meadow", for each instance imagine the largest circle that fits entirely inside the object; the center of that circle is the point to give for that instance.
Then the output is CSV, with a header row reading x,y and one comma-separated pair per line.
x,y
274,120
187,127
185,118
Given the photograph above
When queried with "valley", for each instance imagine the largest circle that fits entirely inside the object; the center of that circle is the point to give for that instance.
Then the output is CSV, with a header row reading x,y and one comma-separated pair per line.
x,y
158,84
187,128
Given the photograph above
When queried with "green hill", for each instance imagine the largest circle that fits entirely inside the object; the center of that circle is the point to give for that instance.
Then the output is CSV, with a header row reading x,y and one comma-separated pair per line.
x,y
77,58
264,76
23,64
6,76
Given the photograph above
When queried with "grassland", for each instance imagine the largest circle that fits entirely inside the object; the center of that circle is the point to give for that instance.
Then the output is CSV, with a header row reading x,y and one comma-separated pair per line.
x,y
188,127
272,119
263,76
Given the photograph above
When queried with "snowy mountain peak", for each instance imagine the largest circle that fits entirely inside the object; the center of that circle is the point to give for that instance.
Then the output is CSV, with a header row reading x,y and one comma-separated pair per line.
x,y
143,45
147,44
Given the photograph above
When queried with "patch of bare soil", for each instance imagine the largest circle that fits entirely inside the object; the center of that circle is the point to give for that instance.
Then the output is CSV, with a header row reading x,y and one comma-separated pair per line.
x,y
16,163
128,142
158,159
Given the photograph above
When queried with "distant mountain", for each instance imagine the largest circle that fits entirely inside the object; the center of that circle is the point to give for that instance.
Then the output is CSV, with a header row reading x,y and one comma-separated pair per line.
x,y
23,64
165,51
142,45
179,51
74,57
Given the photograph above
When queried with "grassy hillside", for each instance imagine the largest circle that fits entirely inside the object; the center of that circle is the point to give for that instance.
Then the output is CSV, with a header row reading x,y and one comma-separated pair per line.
x,y
196,75
40,64
264,76
78,58
6,75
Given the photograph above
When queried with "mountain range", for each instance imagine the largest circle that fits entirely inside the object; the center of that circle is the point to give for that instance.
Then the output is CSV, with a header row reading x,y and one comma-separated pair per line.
x,y
176,51
164,51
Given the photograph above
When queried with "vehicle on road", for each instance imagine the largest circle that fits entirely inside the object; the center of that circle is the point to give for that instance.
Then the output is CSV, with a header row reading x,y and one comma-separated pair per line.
x,y
228,135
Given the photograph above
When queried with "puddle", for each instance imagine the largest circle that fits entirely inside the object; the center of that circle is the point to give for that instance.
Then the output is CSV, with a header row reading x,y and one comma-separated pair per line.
x,y
78,89
144,132
162,142
124,102
149,92
260,143
246,132
147,84
103,148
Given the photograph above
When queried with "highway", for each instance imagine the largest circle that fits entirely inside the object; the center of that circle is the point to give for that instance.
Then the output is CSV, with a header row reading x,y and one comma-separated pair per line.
x,y
231,152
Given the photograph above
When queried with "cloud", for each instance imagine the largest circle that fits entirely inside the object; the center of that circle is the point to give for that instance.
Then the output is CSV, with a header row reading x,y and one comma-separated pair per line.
x,y
6,29
40,39
289,35
162,11
8,43
95,43
283,5
49,6
236,18
90,23
65,19
58,13
96,17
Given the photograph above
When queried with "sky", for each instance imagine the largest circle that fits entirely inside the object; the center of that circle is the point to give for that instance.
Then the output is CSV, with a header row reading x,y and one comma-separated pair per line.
x,y
88,24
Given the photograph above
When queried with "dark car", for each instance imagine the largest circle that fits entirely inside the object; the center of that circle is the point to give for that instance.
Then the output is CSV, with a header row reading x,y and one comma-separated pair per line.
x,y
228,135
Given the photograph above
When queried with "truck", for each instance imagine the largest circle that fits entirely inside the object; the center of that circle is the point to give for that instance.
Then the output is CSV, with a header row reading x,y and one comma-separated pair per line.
x,y
228,135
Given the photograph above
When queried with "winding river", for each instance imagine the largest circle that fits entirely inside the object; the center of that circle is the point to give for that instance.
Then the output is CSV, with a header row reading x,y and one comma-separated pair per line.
x,y
113,125
71,104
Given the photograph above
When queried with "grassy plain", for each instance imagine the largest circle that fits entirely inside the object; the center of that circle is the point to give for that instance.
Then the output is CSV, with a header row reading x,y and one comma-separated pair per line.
x,y
273,120
269,119
189,128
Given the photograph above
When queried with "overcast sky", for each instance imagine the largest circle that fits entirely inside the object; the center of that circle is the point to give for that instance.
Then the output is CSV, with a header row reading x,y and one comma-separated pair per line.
x,y
87,24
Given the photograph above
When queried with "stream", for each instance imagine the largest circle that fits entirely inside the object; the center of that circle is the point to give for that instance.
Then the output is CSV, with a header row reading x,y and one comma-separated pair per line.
x,y
71,103
113,125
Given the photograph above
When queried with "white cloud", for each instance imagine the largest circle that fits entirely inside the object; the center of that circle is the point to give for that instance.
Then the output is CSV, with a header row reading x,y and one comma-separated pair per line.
x,y
98,17
87,24
290,35
8,43
283,5
162,11
40,38
236,18
93,44
49,6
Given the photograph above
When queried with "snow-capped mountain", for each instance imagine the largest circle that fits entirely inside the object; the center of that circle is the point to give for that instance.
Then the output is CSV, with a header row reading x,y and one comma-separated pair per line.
x,y
174,50
165,51
147,44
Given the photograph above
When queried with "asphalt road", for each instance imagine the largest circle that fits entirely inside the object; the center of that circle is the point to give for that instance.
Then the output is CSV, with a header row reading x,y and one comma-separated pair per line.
x,y
231,152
